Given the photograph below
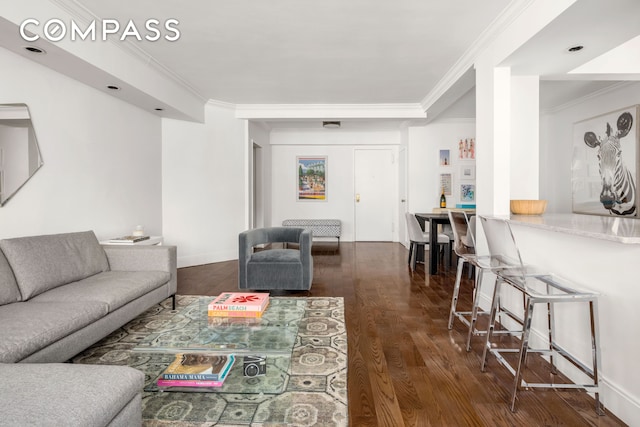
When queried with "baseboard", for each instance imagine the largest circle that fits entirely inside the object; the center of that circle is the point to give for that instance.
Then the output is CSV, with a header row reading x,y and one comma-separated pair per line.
x,y
208,258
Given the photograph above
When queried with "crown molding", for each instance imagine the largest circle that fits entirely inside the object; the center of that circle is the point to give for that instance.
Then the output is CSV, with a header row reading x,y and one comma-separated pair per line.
x,y
84,15
587,97
222,104
468,58
329,111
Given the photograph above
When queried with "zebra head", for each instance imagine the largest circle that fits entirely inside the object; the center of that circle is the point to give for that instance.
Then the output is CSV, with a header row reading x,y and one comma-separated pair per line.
x,y
618,185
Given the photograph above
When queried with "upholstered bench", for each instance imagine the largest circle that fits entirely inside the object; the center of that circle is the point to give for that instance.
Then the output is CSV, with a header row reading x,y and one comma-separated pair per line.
x,y
319,227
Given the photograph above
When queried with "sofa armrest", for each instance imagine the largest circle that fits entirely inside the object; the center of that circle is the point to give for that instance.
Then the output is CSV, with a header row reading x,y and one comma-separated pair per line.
x,y
145,258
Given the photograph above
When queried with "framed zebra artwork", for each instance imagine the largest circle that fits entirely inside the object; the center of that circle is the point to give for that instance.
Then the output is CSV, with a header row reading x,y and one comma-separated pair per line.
x,y
604,170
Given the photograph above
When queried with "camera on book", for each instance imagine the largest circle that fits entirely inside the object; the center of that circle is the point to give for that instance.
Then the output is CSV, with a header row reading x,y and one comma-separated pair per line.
x,y
254,366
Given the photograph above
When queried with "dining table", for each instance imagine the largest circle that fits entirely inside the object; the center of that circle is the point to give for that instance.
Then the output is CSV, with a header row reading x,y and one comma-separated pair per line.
x,y
434,219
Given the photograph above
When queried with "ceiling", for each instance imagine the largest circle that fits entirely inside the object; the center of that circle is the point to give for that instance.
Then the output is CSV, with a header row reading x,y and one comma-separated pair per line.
x,y
355,52
308,51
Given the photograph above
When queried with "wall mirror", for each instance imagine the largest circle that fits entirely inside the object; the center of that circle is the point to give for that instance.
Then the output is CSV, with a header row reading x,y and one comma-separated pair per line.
x,y
20,156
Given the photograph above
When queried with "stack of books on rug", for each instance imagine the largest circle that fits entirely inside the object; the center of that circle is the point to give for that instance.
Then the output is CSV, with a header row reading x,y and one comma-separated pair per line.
x,y
197,370
239,304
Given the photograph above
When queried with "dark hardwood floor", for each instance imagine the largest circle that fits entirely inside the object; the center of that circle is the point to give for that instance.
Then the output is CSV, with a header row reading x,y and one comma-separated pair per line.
x,y
405,368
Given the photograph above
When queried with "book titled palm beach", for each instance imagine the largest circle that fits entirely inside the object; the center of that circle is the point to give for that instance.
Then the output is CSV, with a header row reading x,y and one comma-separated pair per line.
x,y
251,304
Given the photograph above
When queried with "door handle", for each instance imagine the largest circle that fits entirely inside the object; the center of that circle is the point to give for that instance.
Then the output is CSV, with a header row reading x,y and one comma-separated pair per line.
x,y
357,198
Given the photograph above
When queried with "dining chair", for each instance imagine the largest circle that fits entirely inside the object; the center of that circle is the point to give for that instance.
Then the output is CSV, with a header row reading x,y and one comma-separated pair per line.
x,y
448,231
417,238
548,290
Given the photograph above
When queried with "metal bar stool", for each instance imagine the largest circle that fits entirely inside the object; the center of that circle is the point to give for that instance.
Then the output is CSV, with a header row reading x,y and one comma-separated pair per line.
x,y
536,289
464,247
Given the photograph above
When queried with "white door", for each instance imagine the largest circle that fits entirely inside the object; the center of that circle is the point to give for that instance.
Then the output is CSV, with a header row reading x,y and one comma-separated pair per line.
x,y
374,201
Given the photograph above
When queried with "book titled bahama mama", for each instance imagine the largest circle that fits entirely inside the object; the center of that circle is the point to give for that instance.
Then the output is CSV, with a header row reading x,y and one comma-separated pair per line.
x,y
164,382
239,302
197,366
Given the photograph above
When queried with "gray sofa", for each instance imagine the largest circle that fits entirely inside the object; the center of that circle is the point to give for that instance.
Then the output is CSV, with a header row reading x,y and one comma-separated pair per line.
x,y
282,269
59,294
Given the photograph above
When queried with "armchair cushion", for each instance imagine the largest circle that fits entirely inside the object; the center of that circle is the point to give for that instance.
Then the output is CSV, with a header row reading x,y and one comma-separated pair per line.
x,y
275,268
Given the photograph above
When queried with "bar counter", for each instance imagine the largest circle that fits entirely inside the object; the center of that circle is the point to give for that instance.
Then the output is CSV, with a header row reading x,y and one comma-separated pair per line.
x,y
622,230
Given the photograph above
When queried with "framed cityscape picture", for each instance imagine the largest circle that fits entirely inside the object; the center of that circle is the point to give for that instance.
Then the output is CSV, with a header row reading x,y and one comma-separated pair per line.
x,y
311,178
604,168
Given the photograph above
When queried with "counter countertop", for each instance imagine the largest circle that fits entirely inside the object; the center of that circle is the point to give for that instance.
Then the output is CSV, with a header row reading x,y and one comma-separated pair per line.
x,y
622,230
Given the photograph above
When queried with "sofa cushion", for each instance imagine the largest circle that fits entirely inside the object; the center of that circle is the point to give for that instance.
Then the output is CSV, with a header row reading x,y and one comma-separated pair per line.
x,y
9,291
44,262
30,326
113,288
63,394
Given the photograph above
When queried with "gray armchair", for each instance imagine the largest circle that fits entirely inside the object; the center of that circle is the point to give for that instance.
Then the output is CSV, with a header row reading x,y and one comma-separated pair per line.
x,y
287,269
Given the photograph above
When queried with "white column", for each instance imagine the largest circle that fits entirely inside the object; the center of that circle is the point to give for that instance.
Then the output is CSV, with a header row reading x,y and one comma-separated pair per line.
x,y
525,138
493,135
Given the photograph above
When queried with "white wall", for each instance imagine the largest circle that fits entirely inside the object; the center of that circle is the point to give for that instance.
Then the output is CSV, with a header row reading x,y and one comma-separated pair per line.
x,y
102,158
259,137
339,146
205,185
556,141
424,170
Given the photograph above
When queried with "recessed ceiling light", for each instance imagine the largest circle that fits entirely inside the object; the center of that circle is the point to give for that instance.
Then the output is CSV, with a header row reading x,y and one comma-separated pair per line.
x,y
331,125
575,48
36,50
112,87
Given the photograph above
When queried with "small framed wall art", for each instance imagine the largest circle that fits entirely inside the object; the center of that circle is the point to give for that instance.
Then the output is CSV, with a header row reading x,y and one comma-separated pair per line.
x,y
445,184
311,178
467,171
445,158
467,192
467,149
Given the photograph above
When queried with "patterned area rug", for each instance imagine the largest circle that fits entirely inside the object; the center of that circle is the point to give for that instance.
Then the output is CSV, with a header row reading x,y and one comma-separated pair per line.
x,y
316,380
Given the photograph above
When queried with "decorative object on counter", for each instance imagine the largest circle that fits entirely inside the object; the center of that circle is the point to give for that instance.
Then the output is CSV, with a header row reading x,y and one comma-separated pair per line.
x,y
528,207
443,199
139,231
604,171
